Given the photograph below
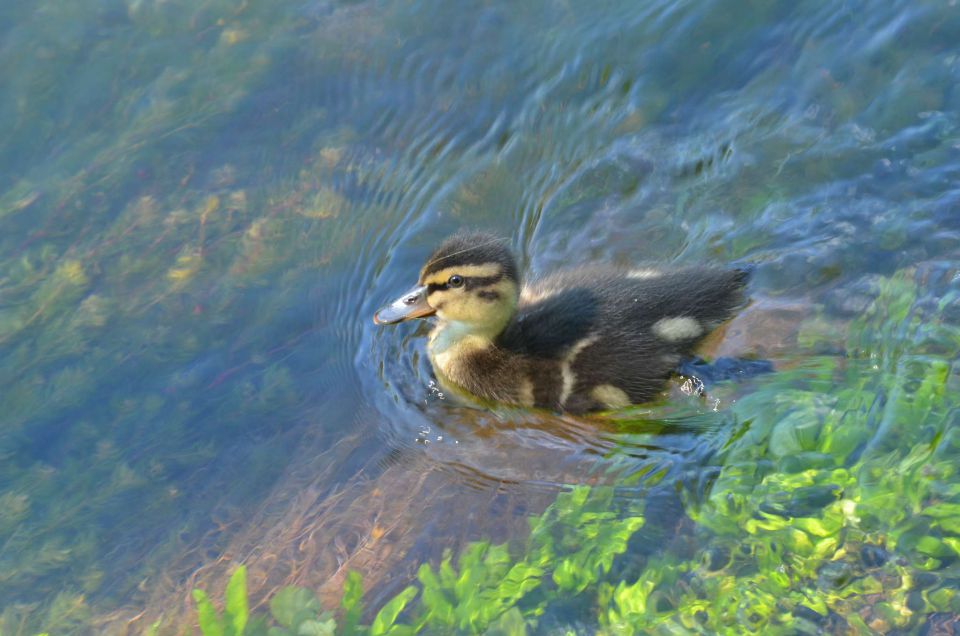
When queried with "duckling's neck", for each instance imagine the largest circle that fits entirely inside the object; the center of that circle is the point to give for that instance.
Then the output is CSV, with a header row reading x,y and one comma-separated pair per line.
x,y
448,335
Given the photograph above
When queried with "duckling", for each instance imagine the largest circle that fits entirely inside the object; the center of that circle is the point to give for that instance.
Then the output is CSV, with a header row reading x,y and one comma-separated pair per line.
x,y
581,340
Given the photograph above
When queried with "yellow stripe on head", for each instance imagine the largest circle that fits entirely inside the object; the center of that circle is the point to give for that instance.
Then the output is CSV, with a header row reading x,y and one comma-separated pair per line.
x,y
486,270
467,250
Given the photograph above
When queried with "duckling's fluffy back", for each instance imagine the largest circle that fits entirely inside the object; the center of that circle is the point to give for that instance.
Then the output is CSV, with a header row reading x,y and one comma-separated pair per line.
x,y
614,335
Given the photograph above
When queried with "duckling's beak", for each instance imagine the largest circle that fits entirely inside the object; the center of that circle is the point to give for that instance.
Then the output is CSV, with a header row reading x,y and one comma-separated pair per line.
x,y
411,305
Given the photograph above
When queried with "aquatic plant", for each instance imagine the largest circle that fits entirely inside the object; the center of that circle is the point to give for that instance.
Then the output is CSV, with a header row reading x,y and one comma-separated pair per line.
x,y
571,546
832,508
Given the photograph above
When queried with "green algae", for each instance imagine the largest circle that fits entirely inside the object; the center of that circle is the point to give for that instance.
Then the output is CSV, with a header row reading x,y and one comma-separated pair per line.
x,y
96,290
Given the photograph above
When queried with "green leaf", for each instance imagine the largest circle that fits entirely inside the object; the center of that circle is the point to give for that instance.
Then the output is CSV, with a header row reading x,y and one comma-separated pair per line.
x,y
521,578
933,547
207,616
351,602
236,610
389,612
817,527
510,623
567,576
795,433
953,543
292,605
940,510
950,524
439,608
313,627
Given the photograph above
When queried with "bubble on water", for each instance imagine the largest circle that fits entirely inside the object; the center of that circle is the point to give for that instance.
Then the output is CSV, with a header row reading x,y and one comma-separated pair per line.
x,y
435,390
692,386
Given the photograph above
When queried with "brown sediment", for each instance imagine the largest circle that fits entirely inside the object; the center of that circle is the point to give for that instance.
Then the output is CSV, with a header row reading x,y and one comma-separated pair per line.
x,y
383,523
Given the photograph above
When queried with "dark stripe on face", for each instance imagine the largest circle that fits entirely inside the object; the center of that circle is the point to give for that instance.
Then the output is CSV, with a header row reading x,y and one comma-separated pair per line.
x,y
469,282
488,294
480,281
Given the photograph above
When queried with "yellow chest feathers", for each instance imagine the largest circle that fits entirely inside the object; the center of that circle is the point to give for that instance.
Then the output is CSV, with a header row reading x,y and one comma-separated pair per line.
x,y
473,364
452,359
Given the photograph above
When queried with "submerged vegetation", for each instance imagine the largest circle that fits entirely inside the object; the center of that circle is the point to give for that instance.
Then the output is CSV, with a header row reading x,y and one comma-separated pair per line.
x,y
831,510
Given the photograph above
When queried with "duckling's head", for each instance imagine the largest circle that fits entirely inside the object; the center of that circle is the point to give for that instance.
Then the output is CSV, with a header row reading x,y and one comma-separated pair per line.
x,y
471,280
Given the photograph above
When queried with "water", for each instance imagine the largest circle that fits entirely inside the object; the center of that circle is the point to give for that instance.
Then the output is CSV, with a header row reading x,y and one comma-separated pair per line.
x,y
202,204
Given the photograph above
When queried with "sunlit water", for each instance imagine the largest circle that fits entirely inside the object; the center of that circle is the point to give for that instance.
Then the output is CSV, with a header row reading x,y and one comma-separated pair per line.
x,y
202,205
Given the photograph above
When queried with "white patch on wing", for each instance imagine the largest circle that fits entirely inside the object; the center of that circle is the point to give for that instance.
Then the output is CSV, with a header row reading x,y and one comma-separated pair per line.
x,y
568,377
679,328
526,393
610,396
644,273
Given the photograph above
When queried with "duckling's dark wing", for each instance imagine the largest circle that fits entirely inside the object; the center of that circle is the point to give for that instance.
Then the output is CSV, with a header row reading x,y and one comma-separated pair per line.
x,y
646,325
616,330
706,295
608,302
549,327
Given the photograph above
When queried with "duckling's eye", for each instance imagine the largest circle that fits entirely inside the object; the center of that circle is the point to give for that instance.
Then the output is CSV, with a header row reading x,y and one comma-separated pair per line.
x,y
455,281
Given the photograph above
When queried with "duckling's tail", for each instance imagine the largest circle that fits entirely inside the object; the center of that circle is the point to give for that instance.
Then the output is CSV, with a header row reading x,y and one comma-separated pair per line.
x,y
744,272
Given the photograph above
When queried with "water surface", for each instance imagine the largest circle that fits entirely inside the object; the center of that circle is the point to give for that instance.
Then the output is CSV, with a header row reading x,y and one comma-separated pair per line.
x,y
202,204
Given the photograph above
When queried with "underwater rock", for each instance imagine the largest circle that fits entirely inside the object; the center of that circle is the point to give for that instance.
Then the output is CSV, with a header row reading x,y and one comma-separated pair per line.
x,y
873,556
854,298
765,329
